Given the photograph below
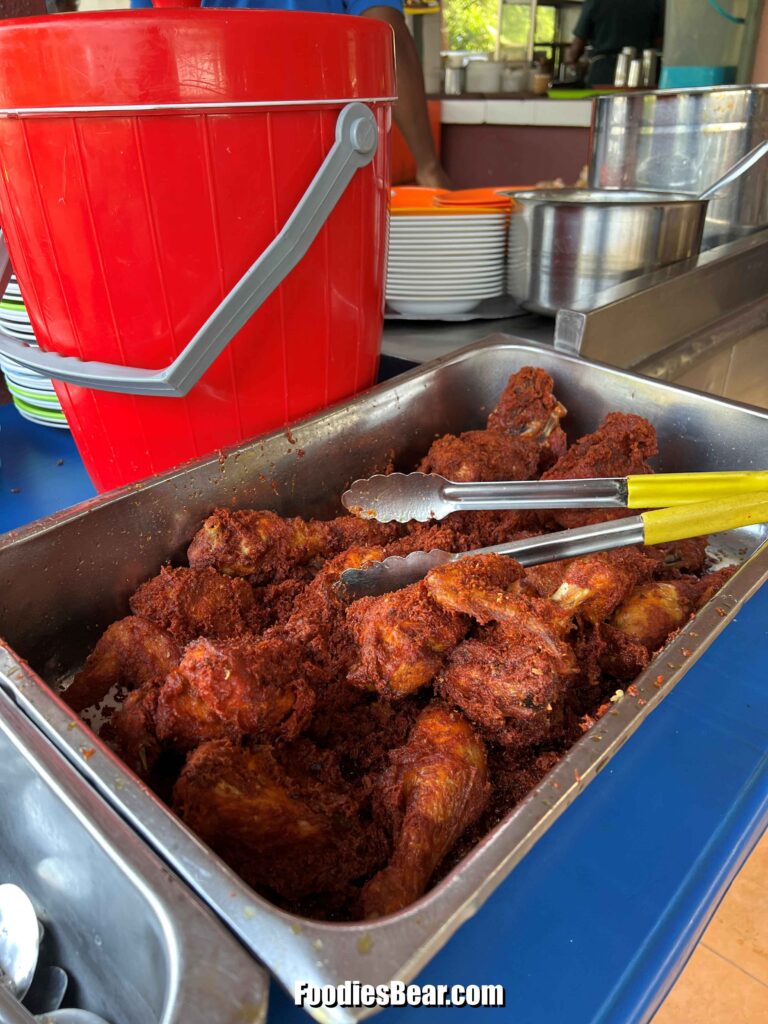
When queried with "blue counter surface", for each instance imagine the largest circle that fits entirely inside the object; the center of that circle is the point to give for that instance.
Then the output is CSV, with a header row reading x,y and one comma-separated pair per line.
x,y
598,920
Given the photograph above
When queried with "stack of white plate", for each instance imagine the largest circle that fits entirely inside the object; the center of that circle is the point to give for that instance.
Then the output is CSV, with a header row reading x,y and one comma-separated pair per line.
x,y
445,261
32,394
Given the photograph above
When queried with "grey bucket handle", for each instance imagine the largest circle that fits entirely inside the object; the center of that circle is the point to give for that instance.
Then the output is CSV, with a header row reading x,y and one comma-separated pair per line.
x,y
354,147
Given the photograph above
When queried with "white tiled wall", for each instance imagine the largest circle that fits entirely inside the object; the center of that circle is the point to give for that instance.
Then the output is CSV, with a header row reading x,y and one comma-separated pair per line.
x,y
543,112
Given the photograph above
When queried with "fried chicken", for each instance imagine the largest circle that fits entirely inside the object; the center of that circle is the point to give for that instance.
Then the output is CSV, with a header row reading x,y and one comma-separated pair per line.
x,y
276,601
654,610
233,688
650,615
619,447
512,678
482,529
261,545
335,749
295,836
133,652
189,603
482,455
512,776
592,585
401,640
435,787
348,531
317,624
528,408
269,549
478,585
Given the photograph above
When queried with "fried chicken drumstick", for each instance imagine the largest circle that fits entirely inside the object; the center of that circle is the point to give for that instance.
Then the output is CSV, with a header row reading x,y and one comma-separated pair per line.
x,y
343,755
435,788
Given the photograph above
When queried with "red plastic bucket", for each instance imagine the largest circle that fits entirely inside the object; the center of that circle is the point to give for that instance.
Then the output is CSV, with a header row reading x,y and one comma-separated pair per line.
x,y
147,158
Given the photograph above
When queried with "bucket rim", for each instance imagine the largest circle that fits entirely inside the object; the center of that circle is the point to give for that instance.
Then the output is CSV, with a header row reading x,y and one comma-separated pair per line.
x,y
212,107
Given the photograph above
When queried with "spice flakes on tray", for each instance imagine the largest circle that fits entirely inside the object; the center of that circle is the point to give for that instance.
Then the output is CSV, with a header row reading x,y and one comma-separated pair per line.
x,y
340,755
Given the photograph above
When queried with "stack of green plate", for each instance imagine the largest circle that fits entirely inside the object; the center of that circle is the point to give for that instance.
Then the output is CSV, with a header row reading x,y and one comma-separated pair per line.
x,y
32,394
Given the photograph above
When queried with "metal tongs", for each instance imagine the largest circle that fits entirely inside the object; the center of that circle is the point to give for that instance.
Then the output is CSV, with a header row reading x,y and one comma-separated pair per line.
x,y
403,497
659,526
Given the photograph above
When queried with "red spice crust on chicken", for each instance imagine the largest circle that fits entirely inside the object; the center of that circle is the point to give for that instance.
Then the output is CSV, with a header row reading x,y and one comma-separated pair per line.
x,y
344,755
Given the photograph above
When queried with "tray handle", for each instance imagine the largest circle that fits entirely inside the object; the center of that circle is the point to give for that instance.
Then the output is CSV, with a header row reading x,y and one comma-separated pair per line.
x,y
354,147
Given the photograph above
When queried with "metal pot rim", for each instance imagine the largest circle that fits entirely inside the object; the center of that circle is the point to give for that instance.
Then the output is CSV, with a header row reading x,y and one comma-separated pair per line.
x,y
603,197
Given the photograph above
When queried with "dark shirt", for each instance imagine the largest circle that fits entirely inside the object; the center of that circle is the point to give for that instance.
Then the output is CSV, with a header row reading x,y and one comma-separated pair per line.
x,y
609,25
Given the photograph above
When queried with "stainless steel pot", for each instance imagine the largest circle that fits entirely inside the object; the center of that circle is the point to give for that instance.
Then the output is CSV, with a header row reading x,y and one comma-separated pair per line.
x,y
681,141
568,245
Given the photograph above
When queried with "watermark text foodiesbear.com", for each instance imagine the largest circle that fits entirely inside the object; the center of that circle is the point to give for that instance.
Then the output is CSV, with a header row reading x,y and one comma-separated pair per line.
x,y
397,993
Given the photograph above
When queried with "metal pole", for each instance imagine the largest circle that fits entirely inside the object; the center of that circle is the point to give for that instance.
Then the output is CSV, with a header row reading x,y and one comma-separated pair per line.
x,y
499,19
532,32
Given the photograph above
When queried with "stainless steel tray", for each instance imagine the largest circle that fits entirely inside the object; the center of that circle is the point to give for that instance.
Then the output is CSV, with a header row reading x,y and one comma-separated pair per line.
x,y
131,936
64,579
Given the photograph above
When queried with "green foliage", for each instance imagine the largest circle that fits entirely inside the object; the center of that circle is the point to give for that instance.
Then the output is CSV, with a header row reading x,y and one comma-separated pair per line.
x,y
472,24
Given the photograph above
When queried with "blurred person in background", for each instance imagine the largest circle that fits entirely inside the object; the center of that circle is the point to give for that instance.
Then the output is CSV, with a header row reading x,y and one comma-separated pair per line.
x,y
410,110
610,25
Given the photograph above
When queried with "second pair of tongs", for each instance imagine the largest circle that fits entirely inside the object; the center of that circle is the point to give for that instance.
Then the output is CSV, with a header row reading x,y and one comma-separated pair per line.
x,y
659,526
402,497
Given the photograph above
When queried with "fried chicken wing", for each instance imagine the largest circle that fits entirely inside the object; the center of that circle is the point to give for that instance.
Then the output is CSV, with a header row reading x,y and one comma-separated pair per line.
x,y
402,639
482,455
295,837
230,689
435,788
619,447
528,407
189,603
131,653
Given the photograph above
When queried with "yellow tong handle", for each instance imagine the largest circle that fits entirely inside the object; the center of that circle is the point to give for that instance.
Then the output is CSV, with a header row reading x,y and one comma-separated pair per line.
x,y
658,490
677,523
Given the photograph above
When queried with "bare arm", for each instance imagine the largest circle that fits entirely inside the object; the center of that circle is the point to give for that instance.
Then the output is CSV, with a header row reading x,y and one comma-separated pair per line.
x,y
575,50
411,108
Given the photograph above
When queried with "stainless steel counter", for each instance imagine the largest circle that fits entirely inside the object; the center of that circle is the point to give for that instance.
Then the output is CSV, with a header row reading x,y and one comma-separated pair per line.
x,y
421,341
